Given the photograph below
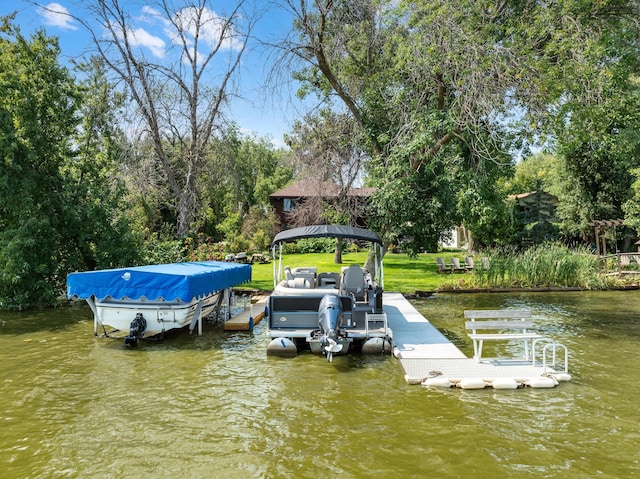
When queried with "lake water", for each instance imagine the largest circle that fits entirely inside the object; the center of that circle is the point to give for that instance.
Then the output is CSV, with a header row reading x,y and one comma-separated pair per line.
x,y
75,406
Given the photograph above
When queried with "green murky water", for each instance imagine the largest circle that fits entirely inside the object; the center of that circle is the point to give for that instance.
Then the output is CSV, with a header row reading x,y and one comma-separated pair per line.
x,y
73,406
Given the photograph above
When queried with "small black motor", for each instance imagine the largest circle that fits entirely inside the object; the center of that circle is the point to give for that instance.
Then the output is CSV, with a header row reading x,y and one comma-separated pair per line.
x,y
136,330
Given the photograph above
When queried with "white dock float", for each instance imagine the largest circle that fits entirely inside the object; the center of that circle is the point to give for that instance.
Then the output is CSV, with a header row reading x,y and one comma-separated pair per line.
x,y
430,359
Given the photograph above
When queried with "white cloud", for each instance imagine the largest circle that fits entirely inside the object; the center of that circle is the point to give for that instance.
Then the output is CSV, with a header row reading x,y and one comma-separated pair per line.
x,y
139,37
150,11
152,15
279,143
214,30
56,15
142,38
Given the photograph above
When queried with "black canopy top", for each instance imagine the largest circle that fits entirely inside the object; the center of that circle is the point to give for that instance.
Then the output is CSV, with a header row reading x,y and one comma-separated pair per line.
x,y
326,231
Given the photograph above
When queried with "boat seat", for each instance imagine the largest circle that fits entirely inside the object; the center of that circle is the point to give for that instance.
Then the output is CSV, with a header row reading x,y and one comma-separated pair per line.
x,y
328,280
304,270
297,281
353,282
309,277
288,275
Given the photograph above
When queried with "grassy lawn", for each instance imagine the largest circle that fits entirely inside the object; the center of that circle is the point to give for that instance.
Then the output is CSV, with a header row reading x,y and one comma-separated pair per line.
x,y
401,273
543,266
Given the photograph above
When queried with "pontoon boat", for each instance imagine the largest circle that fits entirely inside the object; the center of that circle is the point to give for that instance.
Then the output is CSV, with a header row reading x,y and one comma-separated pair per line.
x,y
329,312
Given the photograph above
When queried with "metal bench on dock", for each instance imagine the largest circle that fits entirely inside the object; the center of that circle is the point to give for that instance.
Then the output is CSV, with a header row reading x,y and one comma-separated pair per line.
x,y
430,359
504,323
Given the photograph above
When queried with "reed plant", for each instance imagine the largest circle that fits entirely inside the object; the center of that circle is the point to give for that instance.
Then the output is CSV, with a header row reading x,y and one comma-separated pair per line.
x,y
546,265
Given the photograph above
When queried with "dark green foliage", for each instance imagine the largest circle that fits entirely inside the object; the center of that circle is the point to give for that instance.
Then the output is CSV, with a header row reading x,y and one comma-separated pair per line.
x,y
239,174
38,101
476,81
57,207
416,207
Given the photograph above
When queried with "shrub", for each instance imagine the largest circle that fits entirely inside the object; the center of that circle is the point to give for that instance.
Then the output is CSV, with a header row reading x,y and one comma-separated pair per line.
x,y
163,251
202,249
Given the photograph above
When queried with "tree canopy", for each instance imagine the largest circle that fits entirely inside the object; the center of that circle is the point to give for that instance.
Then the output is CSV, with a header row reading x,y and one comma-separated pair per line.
x,y
178,95
435,103
461,86
55,201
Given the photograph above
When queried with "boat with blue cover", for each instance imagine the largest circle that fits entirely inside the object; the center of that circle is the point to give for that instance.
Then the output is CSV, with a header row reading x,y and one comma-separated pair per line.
x,y
150,300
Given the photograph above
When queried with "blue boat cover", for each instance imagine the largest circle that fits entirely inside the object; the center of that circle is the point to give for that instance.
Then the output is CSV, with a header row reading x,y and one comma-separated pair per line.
x,y
183,281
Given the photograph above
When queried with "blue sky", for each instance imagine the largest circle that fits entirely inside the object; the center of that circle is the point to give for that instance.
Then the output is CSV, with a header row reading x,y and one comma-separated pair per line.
x,y
260,110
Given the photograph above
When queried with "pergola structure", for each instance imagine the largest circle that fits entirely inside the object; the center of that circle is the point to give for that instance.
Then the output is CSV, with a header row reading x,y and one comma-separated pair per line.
x,y
601,227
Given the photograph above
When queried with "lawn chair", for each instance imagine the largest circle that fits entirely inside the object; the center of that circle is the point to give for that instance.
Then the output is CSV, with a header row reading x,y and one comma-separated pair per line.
x,y
468,263
455,266
442,268
241,258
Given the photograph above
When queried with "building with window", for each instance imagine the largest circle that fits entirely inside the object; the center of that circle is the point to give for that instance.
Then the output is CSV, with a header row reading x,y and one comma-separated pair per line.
x,y
288,200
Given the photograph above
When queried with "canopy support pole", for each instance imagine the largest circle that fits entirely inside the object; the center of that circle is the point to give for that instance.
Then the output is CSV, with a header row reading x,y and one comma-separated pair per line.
x,y
197,317
96,320
227,304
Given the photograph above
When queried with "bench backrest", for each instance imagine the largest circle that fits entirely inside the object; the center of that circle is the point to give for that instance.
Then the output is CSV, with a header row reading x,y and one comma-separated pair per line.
x,y
498,319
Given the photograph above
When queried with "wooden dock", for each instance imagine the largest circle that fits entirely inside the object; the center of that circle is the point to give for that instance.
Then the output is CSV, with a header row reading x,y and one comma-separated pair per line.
x,y
247,319
430,359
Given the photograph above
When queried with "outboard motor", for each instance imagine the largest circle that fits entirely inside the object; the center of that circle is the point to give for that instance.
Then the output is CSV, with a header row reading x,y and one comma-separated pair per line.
x,y
136,330
330,321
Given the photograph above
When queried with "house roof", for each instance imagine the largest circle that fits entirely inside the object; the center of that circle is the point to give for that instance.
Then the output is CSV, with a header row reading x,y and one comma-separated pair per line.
x,y
310,188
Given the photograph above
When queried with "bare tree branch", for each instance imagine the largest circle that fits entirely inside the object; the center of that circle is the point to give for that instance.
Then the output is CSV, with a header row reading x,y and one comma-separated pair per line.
x,y
181,87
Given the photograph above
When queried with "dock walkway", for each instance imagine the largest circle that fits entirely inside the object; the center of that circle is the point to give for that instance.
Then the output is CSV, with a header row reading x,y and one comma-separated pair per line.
x,y
247,319
430,359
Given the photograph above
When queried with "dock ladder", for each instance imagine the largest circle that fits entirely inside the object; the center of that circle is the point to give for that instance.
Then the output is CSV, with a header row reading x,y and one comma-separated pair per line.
x,y
551,347
375,325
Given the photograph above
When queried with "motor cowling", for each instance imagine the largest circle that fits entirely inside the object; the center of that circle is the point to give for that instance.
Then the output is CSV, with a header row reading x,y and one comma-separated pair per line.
x,y
330,315
330,321
136,330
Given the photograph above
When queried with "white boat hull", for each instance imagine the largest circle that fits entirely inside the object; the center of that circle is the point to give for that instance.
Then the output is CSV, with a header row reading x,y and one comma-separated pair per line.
x,y
160,316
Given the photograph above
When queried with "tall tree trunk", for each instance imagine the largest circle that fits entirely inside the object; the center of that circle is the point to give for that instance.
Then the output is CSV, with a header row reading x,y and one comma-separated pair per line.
x,y
337,255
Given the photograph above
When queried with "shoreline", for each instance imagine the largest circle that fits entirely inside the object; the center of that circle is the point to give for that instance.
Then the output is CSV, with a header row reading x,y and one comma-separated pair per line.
x,y
547,289
421,294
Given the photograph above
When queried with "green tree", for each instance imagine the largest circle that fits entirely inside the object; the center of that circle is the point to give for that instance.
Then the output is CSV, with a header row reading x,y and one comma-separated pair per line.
x,y
481,204
97,228
632,206
599,153
541,170
592,105
38,102
59,208
180,89
241,172
427,80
